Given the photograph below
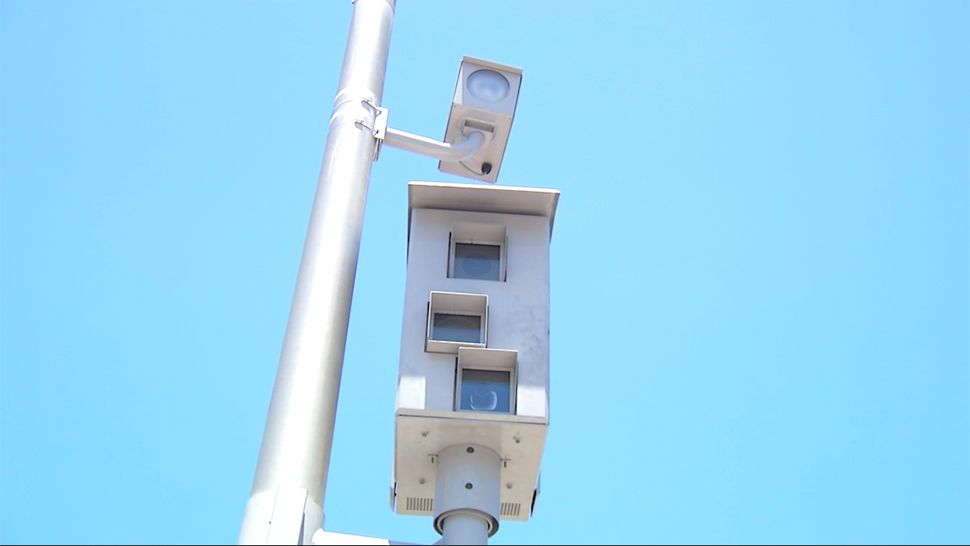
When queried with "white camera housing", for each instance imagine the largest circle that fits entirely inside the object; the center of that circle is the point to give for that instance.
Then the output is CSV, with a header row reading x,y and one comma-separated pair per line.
x,y
485,98
474,365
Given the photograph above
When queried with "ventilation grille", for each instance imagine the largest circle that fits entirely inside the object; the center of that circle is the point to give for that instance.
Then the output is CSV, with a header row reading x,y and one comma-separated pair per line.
x,y
418,504
511,509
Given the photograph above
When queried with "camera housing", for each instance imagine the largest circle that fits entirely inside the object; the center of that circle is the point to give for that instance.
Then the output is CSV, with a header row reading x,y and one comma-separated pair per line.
x,y
474,361
486,95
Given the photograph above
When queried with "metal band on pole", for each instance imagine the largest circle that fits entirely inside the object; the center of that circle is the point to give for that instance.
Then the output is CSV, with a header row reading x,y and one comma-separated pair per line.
x,y
286,502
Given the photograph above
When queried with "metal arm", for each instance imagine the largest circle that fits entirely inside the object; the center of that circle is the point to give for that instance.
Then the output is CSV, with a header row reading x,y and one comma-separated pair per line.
x,y
474,141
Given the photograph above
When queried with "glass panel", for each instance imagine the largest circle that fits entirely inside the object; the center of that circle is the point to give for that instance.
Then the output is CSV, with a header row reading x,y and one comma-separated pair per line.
x,y
448,327
485,390
477,261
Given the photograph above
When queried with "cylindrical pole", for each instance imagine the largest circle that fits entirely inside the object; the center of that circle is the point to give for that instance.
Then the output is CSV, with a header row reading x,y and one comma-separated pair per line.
x,y
467,494
286,503
464,528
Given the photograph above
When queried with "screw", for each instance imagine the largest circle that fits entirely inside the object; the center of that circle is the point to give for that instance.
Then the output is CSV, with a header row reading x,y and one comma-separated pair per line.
x,y
470,449
486,168
468,486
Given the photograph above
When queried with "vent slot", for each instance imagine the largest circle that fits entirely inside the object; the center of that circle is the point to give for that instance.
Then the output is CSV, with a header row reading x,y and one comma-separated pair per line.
x,y
418,504
511,509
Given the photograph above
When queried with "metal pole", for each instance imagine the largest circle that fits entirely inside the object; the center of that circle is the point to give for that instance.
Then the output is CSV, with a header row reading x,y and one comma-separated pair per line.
x,y
286,503
464,528
467,494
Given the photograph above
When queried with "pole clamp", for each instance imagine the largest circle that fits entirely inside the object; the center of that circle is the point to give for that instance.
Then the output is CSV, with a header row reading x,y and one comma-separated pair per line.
x,y
378,127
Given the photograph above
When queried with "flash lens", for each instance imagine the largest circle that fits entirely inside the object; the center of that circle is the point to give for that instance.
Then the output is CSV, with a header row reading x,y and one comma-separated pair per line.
x,y
488,85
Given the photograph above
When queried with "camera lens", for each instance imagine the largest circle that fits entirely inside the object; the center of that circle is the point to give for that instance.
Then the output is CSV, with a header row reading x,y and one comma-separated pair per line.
x,y
483,399
473,261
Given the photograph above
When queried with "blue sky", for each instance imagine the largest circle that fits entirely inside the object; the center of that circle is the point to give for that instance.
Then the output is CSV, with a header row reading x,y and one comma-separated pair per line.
x,y
760,265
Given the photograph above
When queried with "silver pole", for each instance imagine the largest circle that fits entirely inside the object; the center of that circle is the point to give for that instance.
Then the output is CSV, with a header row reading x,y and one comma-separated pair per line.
x,y
286,503
467,494
464,528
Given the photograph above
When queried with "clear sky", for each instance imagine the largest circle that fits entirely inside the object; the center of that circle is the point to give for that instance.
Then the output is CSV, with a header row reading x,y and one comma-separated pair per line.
x,y
760,264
